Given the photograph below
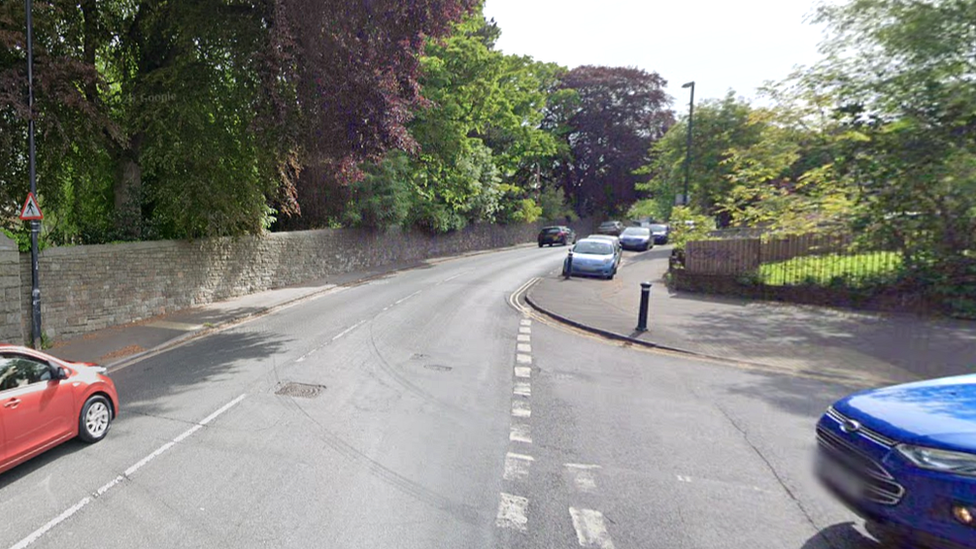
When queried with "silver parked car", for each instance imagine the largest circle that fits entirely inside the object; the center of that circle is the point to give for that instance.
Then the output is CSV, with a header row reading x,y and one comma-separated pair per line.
x,y
637,238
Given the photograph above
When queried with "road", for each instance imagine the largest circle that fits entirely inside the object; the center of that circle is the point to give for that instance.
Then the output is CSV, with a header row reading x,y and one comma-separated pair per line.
x,y
435,414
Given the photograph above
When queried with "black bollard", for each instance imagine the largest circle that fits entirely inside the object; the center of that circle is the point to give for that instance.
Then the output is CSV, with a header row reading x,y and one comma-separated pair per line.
x,y
645,297
569,266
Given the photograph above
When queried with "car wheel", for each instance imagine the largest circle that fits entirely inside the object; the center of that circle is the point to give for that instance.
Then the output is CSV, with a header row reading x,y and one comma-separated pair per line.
x,y
95,419
540,244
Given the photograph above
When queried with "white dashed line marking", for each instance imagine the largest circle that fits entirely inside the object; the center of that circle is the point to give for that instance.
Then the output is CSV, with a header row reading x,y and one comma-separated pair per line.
x,y
684,478
521,409
525,330
583,476
522,388
36,534
525,338
399,301
520,433
512,512
524,348
525,322
347,330
517,466
591,530
523,372
523,358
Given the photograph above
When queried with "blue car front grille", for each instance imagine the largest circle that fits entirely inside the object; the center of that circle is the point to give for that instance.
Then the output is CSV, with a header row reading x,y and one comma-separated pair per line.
x,y
879,486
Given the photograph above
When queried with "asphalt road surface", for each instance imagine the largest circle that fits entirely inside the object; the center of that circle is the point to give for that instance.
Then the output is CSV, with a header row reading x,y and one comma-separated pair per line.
x,y
435,414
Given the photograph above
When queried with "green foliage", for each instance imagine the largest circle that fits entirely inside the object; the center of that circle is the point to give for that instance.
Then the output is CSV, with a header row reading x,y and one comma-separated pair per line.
x,y
383,197
864,270
686,226
554,206
657,210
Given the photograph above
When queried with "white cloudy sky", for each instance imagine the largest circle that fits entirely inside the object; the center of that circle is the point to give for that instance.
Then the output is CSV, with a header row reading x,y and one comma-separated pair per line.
x,y
720,44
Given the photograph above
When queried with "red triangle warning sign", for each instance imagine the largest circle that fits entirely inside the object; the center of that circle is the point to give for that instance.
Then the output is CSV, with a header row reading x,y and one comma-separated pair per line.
x,y
31,211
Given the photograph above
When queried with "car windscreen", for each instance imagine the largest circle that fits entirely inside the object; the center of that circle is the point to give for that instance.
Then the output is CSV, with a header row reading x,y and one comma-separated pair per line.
x,y
596,248
636,231
659,228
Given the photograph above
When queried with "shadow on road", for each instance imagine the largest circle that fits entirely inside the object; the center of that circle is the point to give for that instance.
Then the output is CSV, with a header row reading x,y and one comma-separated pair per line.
x,y
841,536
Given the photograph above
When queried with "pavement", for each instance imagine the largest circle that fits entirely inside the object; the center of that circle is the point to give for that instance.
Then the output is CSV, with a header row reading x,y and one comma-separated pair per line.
x,y
847,346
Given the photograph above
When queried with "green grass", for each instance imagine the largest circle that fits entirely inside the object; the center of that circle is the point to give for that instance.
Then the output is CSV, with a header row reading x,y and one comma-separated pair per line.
x,y
851,271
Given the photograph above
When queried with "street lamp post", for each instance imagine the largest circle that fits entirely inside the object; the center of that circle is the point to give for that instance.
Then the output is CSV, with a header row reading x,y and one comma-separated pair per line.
x,y
691,119
35,224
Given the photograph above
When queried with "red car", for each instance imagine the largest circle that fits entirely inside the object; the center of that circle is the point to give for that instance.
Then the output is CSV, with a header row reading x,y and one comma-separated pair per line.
x,y
46,401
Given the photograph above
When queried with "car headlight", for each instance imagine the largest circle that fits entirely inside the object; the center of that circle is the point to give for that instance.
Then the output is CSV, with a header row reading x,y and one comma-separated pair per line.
x,y
960,463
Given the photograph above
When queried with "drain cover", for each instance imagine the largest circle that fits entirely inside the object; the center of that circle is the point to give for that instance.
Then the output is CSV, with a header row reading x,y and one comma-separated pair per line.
x,y
438,367
301,390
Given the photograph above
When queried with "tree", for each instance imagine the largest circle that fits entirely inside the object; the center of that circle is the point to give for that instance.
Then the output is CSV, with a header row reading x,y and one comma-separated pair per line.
x,y
905,78
609,121
719,127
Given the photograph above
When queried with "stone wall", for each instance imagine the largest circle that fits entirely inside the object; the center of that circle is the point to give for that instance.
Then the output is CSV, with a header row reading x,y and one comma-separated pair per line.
x,y
87,288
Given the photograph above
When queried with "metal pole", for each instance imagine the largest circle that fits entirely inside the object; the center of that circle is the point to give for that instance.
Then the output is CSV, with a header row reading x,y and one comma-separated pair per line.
x,y
35,225
691,119
645,299
569,265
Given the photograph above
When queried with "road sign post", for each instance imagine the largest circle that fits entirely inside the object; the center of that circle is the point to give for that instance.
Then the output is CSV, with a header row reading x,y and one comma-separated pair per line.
x,y
32,212
35,220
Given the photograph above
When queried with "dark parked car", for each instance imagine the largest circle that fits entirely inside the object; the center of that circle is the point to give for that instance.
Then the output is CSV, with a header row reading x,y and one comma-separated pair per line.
x,y
660,232
904,458
636,238
556,235
610,227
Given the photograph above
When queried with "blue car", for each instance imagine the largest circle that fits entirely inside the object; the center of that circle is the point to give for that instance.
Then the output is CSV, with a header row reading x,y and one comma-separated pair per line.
x,y
592,257
904,459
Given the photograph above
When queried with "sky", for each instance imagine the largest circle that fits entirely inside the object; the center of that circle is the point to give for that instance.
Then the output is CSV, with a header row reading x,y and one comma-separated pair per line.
x,y
718,44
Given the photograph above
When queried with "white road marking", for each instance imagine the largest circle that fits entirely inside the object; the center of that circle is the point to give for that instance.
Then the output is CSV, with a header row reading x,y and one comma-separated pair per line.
x,y
525,330
347,330
591,530
525,322
523,371
399,301
581,466
520,433
524,348
523,359
522,388
682,478
525,338
521,409
517,466
36,534
512,512
583,477
450,278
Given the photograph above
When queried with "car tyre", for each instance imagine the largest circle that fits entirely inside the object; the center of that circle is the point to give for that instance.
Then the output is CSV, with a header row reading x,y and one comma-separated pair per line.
x,y
540,244
95,419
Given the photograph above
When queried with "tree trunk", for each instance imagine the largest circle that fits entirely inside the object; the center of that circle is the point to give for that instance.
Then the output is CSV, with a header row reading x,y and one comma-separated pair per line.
x,y
128,190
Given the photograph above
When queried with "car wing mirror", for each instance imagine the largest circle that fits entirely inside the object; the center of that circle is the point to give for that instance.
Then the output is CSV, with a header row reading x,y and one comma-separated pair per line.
x,y
60,373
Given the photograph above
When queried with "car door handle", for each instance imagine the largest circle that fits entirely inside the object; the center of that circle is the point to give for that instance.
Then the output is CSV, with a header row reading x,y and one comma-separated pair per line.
x,y
12,403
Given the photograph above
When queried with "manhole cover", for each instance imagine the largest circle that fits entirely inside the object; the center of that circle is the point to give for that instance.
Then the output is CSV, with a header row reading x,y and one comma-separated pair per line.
x,y
438,367
301,390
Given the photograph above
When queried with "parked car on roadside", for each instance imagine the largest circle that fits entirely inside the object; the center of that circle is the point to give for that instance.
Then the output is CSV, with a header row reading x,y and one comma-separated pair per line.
x,y
593,257
636,238
610,227
612,239
558,234
904,459
47,401
660,233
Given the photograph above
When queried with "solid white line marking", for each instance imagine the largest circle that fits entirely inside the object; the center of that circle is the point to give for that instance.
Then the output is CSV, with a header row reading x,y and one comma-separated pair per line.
x,y
522,388
523,371
524,348
591,530
525,330
525,322
521,409
525,338
349,329
517,466
520,433
36,534
581,466
523,359
511,512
